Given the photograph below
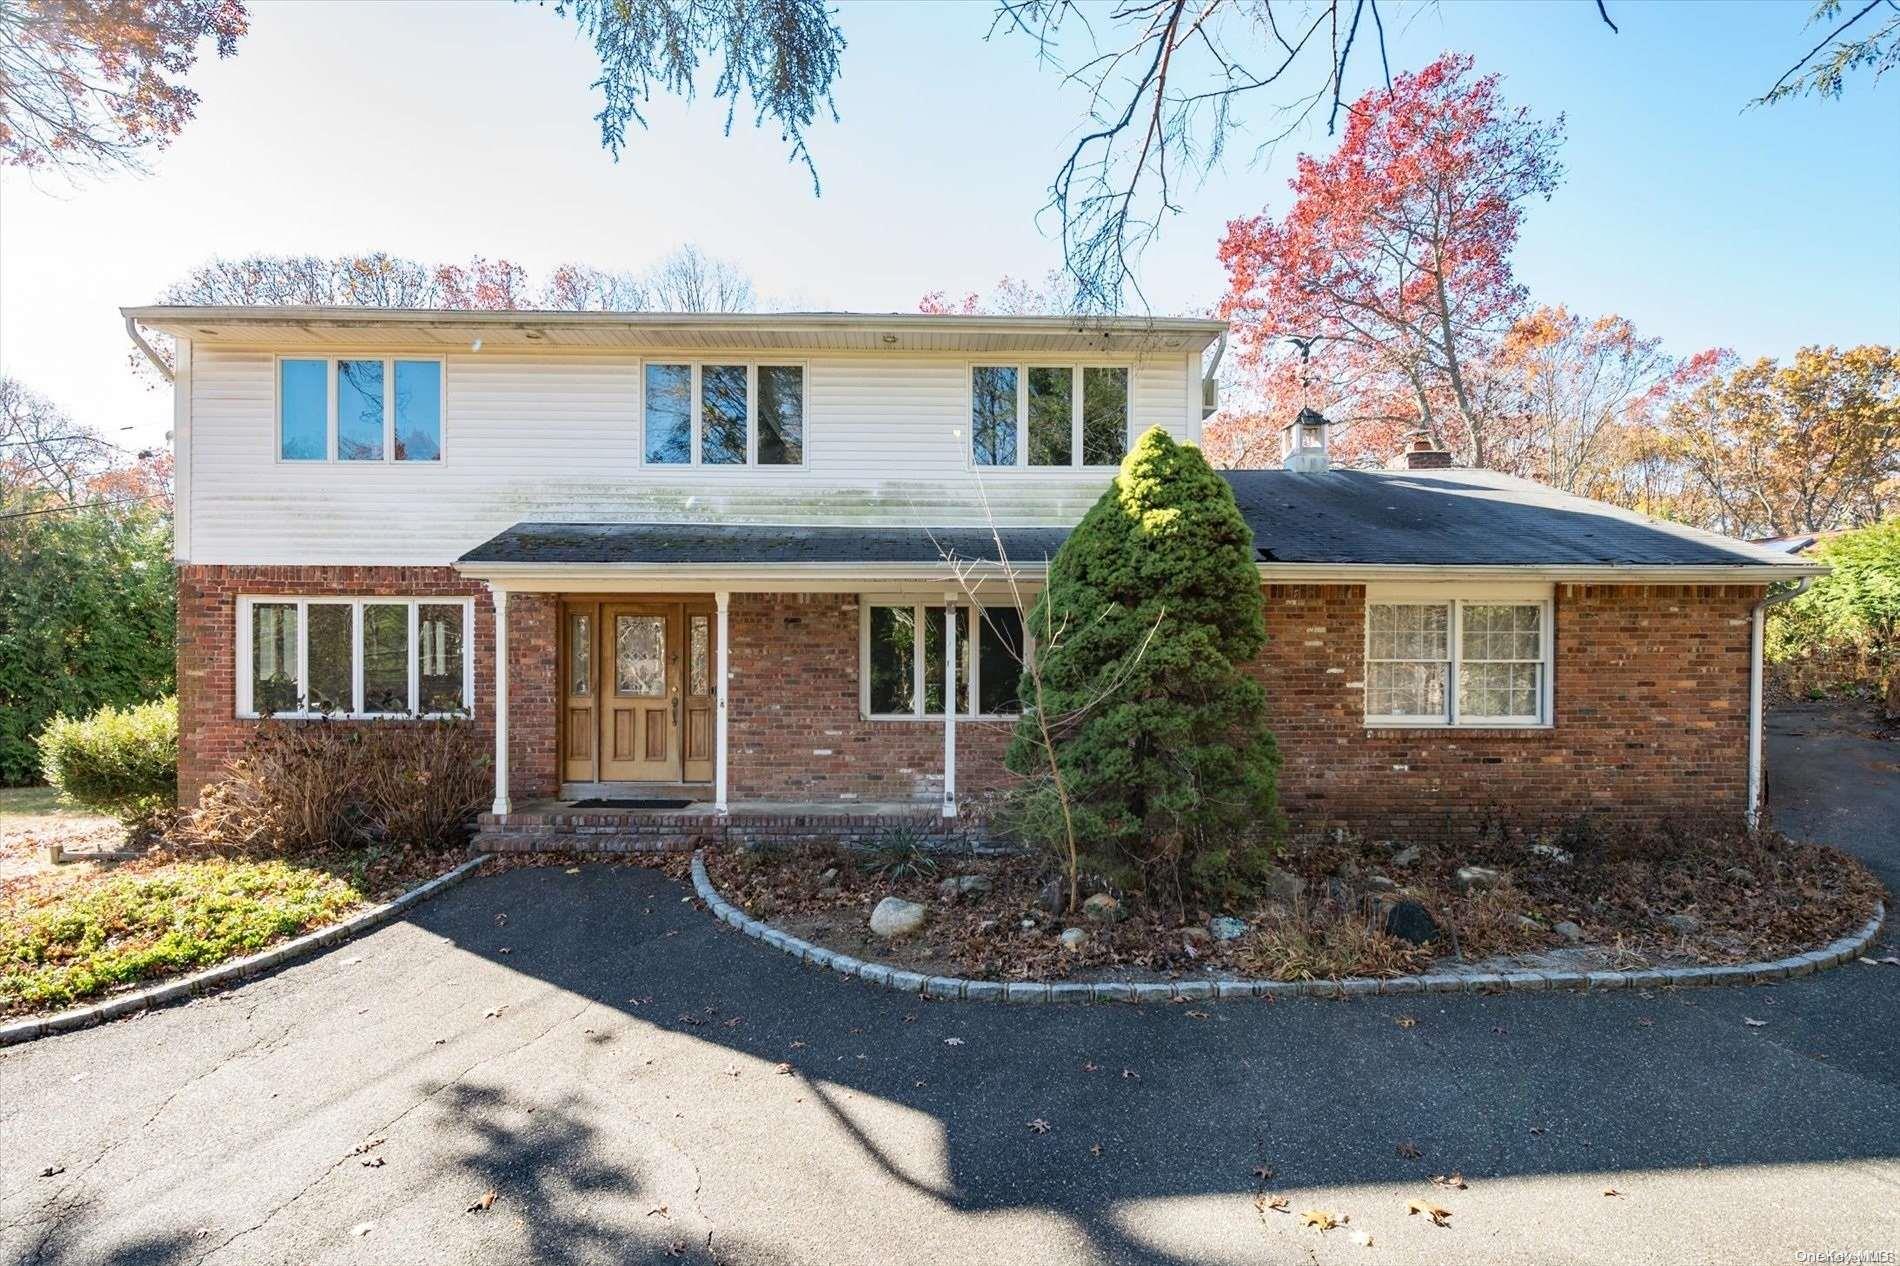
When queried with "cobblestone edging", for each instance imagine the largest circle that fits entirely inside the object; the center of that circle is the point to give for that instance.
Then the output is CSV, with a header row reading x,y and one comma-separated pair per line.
x,y
1167,991
237,969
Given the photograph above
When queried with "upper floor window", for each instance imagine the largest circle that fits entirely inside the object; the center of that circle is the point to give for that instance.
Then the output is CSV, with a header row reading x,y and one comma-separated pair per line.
x,y
1457,661
356,409
355,657
724,415
1048,415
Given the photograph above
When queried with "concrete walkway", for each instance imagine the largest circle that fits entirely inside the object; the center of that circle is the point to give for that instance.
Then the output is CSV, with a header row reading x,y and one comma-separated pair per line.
x,y
636,1084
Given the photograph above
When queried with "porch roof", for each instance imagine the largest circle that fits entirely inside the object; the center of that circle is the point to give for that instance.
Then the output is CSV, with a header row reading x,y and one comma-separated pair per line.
x,y
751,545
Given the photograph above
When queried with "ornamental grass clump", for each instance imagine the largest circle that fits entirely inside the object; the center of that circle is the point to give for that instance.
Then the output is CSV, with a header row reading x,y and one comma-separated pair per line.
x,y
1143,743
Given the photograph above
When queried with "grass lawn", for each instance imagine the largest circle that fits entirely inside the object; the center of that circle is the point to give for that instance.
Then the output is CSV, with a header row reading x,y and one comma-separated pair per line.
x,y
67,938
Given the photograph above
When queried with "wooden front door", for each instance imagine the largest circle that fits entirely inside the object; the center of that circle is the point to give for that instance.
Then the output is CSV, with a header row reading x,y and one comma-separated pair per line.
x,y
641,714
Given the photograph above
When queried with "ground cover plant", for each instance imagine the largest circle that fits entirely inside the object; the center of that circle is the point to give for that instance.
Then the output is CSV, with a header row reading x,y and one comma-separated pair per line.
x,y
1577,898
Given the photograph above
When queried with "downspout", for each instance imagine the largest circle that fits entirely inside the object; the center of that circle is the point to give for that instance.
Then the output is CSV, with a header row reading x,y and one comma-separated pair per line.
x,y
158,363
1755,673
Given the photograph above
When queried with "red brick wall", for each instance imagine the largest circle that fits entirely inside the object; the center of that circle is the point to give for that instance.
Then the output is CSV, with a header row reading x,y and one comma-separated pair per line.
x,y
794,728
210,732
1651,703
1651,711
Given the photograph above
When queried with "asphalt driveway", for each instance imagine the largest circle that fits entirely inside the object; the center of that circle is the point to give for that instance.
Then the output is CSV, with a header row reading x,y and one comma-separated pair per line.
x,y
637,1084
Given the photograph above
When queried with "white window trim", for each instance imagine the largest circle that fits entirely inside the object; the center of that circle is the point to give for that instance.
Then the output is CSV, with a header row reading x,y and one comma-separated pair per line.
x,y
245,703
971,612
752,367
389,413
1022,368
1457,598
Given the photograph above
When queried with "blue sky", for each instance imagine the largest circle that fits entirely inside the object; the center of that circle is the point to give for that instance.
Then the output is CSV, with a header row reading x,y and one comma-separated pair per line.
x,y
444,130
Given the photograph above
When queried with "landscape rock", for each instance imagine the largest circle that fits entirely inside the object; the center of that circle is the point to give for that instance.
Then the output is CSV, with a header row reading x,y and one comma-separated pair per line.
x,y
956,887
1407,856
1380,883
1571,933
1411,922
895,917
1551,852
1475,878
1074,938
1284,886
1102,908
828,876
1227,928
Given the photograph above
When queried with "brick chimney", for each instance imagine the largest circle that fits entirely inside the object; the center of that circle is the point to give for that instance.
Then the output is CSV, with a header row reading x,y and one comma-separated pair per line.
x,y
1421,454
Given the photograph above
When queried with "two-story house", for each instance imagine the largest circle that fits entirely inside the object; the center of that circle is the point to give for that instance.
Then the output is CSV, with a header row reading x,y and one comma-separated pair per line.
x,y
751,562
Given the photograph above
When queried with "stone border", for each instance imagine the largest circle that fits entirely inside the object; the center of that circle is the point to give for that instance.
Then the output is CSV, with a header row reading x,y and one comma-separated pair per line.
x,y
946,987
236,969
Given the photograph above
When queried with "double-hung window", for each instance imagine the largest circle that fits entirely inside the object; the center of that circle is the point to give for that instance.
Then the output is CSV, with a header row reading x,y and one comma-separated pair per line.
x,y
1478,661
355,657
359,409
723,415
903,659
1048,415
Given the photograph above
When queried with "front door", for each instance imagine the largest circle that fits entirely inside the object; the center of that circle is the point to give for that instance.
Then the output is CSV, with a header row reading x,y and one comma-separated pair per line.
x,y
641,707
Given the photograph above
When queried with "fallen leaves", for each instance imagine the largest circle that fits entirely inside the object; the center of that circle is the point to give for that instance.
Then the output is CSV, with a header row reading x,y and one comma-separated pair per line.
x,y
484,1204
953,1041
362,1228
1408,1151
494,1013
1278,1204
52,1171
1321,1219
786,1070
1129,1074
1406,1021
1611,1191
1362,1238
372,1162
1439,1215
1753,1023
1039,1126
1454,1181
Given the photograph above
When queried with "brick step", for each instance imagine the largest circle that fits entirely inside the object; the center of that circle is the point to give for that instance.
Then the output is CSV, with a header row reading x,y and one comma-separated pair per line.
x,y
518,841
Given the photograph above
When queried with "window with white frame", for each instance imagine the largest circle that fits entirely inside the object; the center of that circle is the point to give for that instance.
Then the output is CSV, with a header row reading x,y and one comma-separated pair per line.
x,y
902,654
1048,415
1482,661
723,415
355,657
359,409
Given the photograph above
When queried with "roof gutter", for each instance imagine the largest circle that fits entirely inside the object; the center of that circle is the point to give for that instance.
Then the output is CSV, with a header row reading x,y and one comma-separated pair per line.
x,y
1756,671
132,330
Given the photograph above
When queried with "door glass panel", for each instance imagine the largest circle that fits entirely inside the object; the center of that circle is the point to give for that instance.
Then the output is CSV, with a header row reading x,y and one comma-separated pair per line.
x,y
640,655
700,656
580,655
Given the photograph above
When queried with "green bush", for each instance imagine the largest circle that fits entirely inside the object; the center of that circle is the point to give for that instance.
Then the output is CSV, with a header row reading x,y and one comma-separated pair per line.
x,y
1151,613
88,604
1849,619
122,761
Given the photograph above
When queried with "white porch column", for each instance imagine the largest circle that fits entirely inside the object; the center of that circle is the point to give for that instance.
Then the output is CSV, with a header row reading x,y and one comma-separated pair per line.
x,y
501,698
950,705
719,708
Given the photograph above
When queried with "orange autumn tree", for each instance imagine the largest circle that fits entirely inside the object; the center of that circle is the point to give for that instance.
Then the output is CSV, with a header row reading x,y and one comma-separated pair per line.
x,y
88,85
1396,252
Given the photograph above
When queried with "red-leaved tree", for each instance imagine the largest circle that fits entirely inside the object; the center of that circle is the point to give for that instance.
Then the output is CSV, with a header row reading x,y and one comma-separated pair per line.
x,y
1396,253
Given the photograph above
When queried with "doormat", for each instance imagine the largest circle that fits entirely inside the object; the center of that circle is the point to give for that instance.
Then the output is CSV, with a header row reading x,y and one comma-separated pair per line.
x,y
630,804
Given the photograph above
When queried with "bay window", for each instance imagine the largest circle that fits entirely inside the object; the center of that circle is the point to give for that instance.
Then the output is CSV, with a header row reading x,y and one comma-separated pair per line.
x,y
1458,661
902,667
355,657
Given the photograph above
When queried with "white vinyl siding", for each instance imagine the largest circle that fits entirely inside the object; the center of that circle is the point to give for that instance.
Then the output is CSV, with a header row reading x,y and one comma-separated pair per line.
x,y
540,438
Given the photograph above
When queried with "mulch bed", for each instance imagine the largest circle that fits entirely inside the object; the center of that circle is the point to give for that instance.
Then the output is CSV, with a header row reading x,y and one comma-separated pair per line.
x,y
1736,899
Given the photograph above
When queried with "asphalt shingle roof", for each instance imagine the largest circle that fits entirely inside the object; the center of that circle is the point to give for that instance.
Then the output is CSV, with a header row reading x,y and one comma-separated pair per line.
x,y
1424,517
